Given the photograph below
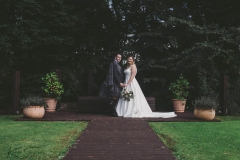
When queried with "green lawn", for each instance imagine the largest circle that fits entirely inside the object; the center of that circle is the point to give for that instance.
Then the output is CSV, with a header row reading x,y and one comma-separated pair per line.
x,y
202,140
36,140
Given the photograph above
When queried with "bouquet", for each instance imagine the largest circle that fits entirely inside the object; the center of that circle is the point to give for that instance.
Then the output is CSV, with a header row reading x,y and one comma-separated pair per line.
x,y
127,95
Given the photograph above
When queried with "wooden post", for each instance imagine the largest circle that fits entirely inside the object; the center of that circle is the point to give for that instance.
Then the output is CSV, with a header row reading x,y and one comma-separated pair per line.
x,y
59,74
15,92
223,95
90,82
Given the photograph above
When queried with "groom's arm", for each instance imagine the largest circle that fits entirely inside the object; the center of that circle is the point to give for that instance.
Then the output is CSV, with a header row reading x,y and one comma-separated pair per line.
x,y
110,76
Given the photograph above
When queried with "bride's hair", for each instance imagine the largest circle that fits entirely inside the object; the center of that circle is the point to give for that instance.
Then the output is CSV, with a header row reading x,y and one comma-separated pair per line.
x,y
127,65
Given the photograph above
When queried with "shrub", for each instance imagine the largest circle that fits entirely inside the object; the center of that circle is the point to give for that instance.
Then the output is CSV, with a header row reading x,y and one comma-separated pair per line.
x,y
179,88
32,101
205,103
53,88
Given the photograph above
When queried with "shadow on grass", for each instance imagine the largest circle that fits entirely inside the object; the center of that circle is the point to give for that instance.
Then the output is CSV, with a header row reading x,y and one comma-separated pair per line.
x,y
229,118
24,152
168,141
10,117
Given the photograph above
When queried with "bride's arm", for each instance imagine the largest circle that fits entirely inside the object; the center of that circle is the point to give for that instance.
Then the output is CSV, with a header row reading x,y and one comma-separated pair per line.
x,y
133,74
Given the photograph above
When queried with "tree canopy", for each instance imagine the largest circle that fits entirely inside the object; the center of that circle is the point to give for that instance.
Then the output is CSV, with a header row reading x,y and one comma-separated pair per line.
x,y
199,39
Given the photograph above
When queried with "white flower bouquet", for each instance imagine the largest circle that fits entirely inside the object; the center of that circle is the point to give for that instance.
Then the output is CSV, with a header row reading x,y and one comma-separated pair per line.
x,y
127,95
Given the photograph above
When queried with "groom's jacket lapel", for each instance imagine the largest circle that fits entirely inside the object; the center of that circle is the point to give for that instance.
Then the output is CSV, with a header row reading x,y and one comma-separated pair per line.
x,y
118,67
112,74
117,73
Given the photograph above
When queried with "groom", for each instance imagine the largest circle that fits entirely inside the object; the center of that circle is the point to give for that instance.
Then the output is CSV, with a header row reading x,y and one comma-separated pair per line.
x,y
112,86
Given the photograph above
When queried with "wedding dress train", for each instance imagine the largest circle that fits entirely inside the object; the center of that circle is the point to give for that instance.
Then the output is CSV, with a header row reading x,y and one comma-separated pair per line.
x,y
138,106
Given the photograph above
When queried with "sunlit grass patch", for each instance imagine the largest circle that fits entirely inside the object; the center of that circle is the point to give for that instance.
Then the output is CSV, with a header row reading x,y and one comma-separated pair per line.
x,y
37,140
201,140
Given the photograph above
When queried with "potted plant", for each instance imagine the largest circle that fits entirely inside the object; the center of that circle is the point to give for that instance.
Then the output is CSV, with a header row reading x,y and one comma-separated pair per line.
x,y
204,108
33,106
179,88
53,90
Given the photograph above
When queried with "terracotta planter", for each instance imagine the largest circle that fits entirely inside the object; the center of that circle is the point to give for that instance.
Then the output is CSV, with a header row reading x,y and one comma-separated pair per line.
x,y
51,104
204,114
34,111
179,105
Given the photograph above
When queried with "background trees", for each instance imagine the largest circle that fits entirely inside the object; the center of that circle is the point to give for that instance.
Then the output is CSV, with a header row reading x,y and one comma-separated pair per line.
x,y
169,37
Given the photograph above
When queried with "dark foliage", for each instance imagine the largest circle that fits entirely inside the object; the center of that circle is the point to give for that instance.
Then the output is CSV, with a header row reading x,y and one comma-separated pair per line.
x,y
199,39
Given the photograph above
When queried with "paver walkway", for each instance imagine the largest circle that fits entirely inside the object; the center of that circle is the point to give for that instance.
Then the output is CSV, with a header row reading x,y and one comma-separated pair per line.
x,y
119,139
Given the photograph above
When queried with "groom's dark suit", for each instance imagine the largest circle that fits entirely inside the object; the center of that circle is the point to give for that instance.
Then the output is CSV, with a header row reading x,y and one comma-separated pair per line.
x,y
111,87
117,79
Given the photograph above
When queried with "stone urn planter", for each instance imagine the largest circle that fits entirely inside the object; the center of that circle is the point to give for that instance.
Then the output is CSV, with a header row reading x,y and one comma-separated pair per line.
x,y
51,104
204,114
179,89
33,111
33,106
179,105
53,89
204,108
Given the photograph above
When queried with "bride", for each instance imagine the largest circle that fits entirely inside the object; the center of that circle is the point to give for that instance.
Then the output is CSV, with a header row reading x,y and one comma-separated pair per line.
x,y
138,106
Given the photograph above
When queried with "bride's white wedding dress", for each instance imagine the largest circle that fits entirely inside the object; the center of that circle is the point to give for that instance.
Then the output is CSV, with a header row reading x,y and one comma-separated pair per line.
x,y
138,106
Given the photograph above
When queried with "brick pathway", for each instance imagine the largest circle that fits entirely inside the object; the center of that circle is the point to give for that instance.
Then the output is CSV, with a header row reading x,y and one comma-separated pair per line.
x,y
119,138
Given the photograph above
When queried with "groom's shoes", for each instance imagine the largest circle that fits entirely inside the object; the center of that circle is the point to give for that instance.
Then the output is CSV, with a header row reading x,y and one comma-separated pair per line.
x,y
113,104
114,114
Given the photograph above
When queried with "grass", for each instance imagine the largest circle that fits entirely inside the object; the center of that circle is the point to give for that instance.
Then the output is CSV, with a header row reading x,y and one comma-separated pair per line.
x,y
36,140
202,140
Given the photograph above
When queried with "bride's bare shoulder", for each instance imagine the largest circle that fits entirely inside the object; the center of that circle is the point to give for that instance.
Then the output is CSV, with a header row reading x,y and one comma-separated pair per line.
x,y
133,66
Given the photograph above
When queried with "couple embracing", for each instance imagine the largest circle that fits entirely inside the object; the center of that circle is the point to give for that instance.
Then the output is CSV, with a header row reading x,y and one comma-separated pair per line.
x,y
119,78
